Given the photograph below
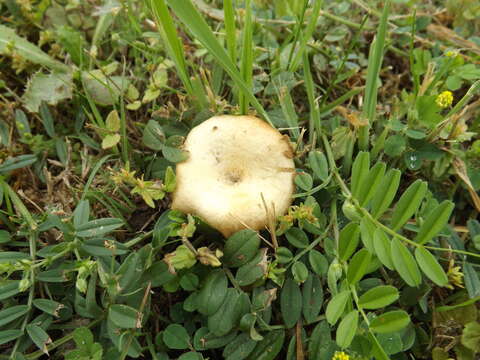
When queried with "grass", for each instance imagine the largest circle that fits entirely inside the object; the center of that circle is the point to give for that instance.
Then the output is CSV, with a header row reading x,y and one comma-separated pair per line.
x,y
378,256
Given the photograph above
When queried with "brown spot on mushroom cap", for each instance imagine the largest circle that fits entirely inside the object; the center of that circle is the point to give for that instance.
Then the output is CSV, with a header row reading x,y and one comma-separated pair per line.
x,y
229,170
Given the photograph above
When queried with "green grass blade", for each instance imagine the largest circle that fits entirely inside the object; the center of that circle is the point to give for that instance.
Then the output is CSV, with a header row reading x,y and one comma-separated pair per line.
x,y
466,98
174,47
197,26
340,100
297,33
230,30
288,109
101,28
9,41
314,127
200,93
19,205
373,70
307,35
246,67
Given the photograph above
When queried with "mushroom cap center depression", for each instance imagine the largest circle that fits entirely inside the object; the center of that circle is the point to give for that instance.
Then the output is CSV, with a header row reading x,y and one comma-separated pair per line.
x,y
233,162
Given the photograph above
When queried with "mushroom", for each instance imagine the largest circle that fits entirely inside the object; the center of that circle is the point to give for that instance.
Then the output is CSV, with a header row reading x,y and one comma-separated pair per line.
x,y
239,173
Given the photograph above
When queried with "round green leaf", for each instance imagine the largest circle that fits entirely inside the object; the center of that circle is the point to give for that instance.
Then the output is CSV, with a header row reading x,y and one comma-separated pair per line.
x,y
291,303
395,145
405,263
239,348
213,293
319,164
299,271
189,282
435,222
241,247
312,297
11,313
358,266
227,315
297,237
385,193
367,231
336,306
408,203
346,329
382,246
304,181
204,339
378,297
253,270
370,187
153,135
318,262
269,347
320,344
191,355
348,241
174,154
390,322
176,337
284,255
110,141
360,169
124,316
390,342
430,266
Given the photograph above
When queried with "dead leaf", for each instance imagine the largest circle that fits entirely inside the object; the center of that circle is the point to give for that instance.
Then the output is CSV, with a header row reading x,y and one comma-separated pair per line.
x,y
461,170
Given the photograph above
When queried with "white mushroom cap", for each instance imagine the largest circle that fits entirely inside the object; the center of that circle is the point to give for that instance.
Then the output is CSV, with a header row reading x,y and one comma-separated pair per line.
x,y
233,161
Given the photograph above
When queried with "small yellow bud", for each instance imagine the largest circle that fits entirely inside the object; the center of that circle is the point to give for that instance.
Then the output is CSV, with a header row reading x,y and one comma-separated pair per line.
x,y
444,99
455,275
340,355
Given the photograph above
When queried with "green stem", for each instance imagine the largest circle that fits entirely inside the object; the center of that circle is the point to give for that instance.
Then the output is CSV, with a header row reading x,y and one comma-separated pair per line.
x,y
53,258
308,248
357,304
315,189
232,279
138,239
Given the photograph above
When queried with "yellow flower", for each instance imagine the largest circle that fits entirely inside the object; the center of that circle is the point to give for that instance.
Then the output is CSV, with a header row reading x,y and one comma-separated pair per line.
x,y
455,275
340,355
444,99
